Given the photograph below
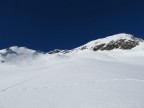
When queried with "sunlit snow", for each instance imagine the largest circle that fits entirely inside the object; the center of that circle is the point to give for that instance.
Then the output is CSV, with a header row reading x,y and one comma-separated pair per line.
x,y
79,79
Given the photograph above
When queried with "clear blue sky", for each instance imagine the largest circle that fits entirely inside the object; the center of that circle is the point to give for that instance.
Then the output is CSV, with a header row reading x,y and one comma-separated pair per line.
x,y
56,24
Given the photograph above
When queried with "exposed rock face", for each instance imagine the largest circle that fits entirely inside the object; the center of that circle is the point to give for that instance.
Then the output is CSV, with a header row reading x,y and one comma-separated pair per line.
x,y
54,51
121,44
58,51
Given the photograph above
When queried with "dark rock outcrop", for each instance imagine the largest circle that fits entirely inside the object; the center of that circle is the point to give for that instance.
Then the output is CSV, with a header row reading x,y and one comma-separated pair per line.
x,y
119,44
58,51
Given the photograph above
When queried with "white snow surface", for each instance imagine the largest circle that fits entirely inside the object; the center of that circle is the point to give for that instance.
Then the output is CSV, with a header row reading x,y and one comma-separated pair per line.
x,y
80,79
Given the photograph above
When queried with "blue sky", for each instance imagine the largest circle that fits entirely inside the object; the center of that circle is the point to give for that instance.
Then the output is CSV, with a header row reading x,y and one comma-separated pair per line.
x,y
46,25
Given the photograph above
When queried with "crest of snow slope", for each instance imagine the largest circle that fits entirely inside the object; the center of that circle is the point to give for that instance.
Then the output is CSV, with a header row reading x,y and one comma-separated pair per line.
x,y
17,54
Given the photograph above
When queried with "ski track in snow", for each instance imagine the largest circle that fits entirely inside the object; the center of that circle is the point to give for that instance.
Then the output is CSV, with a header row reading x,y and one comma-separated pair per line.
x,y
32,78
11,88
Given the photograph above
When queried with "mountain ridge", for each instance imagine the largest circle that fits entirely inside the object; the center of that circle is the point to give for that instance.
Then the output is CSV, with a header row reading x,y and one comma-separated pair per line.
x,y
120,36
121,41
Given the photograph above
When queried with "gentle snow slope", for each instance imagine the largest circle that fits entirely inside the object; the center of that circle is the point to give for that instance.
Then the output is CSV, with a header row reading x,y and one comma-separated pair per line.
x,y
73,82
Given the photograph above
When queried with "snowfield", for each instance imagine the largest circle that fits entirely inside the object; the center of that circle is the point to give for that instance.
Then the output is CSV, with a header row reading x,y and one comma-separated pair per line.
x,y
80,79
73,82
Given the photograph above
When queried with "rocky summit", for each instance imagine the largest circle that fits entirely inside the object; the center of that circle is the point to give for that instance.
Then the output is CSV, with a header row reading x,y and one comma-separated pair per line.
x,y
119,41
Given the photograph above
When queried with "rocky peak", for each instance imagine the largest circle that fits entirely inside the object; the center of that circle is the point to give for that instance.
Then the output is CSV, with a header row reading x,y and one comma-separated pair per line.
x,y
57,51
119,41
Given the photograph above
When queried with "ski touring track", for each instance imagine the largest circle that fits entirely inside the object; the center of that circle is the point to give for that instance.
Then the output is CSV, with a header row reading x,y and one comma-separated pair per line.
x,y
11,88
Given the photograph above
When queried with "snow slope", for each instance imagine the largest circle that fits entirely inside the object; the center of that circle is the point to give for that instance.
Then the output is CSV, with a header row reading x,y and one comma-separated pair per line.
x,y
79,79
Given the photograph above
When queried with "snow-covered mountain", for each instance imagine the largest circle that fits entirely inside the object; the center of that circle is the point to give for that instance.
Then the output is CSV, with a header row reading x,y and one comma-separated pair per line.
x,y
15,50
104,73
121,41
16,53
